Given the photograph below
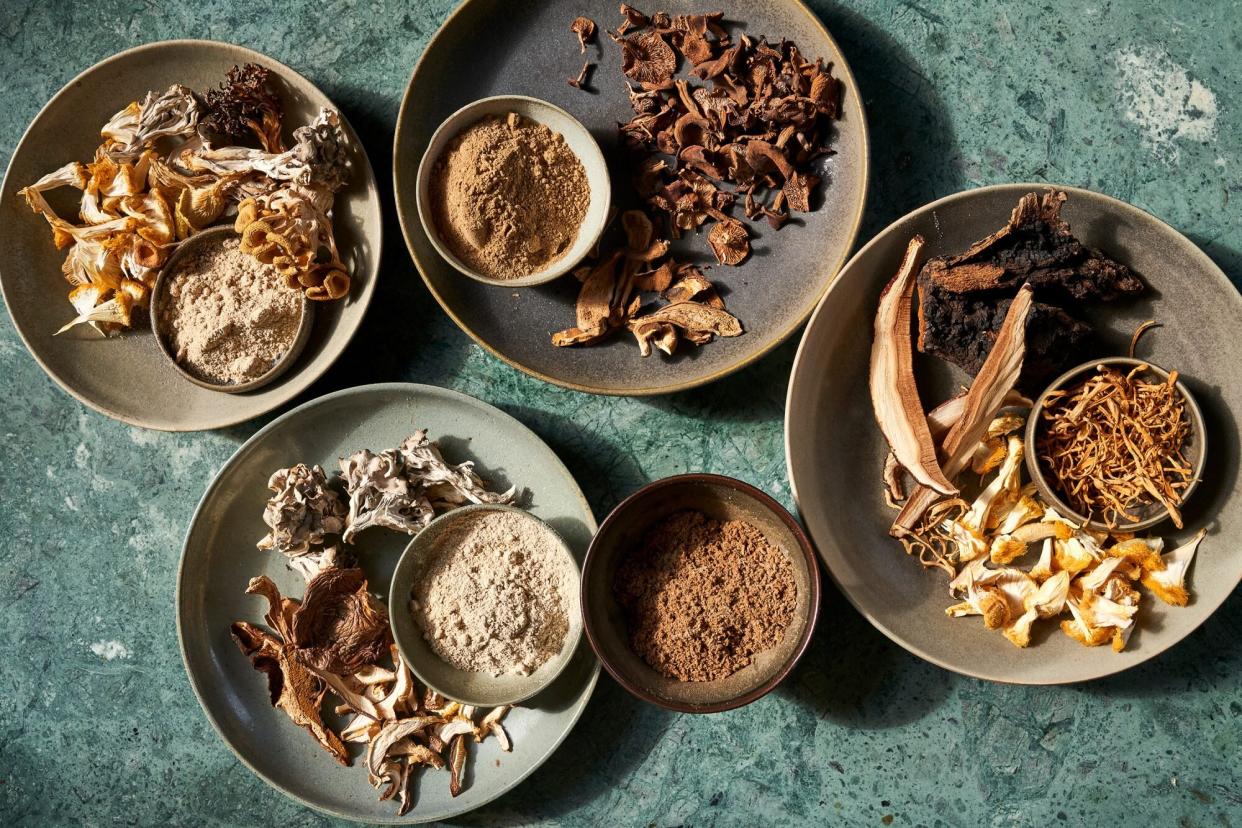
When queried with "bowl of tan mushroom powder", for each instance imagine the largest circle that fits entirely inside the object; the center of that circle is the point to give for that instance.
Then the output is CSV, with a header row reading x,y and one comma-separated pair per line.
x,y
226,320
492,614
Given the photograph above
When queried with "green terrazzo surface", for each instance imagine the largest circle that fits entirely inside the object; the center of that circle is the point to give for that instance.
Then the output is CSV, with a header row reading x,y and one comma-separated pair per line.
x,y
98,724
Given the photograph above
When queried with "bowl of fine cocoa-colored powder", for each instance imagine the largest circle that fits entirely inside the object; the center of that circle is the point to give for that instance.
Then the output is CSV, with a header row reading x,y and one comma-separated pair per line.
x,y
700,593
513,191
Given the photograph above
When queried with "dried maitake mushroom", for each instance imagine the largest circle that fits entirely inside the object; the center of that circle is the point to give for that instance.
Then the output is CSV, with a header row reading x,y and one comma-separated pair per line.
x,y
380,494
301,513
401,488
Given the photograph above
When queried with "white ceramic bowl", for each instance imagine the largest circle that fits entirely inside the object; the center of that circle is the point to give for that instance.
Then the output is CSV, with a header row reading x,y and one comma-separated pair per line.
x,y
577,137
479,689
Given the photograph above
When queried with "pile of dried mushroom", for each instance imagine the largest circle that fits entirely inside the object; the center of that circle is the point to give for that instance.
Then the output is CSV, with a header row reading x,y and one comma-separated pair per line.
x,y
747,122
175,163
337,639
981,541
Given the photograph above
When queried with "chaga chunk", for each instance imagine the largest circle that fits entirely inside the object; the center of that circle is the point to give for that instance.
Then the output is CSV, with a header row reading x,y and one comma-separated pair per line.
x,y
963,298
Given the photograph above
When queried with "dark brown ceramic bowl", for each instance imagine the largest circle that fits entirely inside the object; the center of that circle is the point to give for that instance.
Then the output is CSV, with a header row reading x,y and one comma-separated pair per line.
x,y
722,498
1151,515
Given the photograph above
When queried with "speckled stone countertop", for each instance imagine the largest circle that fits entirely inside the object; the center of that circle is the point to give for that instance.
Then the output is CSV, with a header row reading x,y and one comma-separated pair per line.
x,y
97,721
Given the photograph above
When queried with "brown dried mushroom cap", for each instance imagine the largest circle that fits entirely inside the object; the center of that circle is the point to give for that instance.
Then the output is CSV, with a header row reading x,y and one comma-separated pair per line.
x,y
647,59
340,628
584,28
729,240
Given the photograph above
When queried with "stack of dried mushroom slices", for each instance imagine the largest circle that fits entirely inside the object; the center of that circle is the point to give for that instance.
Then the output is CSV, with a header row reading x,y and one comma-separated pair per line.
x,y
337,639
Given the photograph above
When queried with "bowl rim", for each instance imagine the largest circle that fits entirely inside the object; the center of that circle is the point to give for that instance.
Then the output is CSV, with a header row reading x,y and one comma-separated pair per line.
x,y
290,356
813,603
559,267
572,638
1198,430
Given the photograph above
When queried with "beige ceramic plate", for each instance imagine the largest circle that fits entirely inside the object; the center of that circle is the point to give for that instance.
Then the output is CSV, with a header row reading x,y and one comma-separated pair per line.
x,y
126,377
496,47
835,452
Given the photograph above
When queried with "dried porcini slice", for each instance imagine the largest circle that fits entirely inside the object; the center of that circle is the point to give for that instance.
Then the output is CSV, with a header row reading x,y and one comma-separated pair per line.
x,y
894,395
340,628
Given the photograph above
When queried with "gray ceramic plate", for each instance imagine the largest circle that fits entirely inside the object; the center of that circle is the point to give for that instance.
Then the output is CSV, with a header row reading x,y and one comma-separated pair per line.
x,y
492,47
126,377
219,559
835,452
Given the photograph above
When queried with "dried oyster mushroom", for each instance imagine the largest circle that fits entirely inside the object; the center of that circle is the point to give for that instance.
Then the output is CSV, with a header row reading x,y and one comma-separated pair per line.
x,y
381,495
173,114
302,511
340,628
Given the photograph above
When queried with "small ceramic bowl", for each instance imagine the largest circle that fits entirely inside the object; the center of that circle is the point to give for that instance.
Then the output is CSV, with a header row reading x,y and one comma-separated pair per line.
x,y
1151,515
721,498
281,365
577,137
480,689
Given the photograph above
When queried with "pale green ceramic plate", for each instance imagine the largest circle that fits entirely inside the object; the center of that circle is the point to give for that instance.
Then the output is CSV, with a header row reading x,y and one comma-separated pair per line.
x,y
219,559
835,452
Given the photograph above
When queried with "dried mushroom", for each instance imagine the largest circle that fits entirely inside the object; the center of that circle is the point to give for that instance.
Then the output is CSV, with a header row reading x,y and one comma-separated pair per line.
x,y
245,107
584,28
380,495
302,512
340,628
401,488
894,394
293,688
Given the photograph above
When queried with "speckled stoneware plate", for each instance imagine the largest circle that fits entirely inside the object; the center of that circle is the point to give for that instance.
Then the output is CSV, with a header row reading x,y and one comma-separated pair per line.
x,y
219,559
492,47
835,452
126,377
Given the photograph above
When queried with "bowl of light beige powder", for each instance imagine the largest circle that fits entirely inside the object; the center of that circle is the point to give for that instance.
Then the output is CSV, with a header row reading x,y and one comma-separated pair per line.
x,y
485,605
226,320
513,191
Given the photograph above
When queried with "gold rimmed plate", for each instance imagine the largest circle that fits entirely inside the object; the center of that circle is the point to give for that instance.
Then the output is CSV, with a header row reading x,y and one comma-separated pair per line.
x,y
534,53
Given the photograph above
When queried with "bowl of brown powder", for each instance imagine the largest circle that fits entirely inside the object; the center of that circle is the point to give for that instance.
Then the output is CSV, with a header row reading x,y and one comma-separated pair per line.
x,y
490,595
700,593
225,320
513,191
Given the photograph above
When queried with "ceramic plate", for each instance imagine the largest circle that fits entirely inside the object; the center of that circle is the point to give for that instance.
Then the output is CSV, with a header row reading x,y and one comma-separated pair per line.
x,y
126,377
835,452
492,47
219,559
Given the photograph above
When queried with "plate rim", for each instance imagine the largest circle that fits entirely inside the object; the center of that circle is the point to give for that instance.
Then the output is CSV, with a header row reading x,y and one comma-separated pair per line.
x,y
407,231
1106,669
408,387
371,182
